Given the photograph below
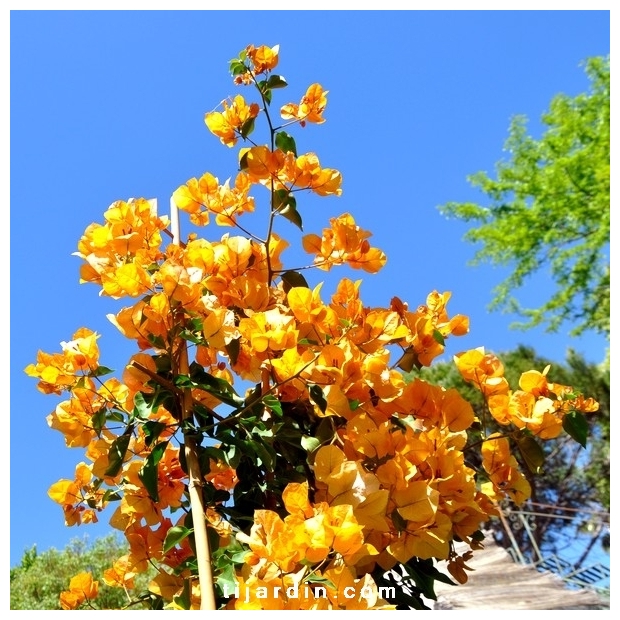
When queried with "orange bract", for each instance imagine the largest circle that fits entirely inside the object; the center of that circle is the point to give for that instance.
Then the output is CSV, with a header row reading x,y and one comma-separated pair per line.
x,y
310,108
344,242
227,125
81,588
335,463
263,58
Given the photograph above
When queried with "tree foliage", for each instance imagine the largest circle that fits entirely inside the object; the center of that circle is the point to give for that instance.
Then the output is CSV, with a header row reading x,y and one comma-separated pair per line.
x,y
549,207
40,578
262,448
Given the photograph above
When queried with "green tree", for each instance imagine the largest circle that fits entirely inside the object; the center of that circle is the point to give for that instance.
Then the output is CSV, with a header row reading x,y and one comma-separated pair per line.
x,y
574,480
549,208
40,578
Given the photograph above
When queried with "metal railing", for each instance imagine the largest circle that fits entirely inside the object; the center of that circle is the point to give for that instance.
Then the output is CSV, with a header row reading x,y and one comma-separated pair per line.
x,y
521,524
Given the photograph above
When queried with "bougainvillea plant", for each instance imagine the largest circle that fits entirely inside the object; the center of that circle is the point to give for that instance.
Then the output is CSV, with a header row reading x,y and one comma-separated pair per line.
x,y
262,448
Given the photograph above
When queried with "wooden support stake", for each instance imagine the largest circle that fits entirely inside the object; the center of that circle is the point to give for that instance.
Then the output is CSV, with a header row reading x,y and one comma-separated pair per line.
x,y
203,552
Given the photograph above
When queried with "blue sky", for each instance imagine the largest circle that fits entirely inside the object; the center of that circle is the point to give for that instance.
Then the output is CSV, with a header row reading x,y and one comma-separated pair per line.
x,y
110,105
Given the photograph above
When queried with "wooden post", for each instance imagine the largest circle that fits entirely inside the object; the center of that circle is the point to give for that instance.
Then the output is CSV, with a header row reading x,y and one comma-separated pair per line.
x,y
203,552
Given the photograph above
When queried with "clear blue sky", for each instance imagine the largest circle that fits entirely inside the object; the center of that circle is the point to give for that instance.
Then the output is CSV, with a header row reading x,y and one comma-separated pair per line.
x,y
110,105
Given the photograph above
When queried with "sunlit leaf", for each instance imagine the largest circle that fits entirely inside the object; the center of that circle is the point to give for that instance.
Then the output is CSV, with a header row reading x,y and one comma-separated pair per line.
x,y
286,143
100,371
309,444
141,409
237,67
271,402
174,536
226,580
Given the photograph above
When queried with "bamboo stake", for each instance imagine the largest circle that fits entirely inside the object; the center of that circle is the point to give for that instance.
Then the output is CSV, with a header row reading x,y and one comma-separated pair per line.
x,y
203,552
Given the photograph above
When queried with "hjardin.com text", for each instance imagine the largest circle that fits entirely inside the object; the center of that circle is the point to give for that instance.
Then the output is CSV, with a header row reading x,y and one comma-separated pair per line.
x,y
306,592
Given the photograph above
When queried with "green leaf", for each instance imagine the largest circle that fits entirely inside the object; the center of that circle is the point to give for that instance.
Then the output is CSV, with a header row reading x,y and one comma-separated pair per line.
x,y
208,453
314,578
203,412
276,81
247,128
576,425
318,397
219,388
286,143
237,67
195,324
98,419
100,371
183,381
243,161
156,341
253,396
174,536
407,597
310,444
280,199
148,472
307,342
116,416
183,600
233,456
438,337
478,536
532,453
239,557
152,430
293,279
266,454
285,204
271,402
261,431
290,213
325,430
117,452
399,523
111,496
141,409
190,336
226,581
